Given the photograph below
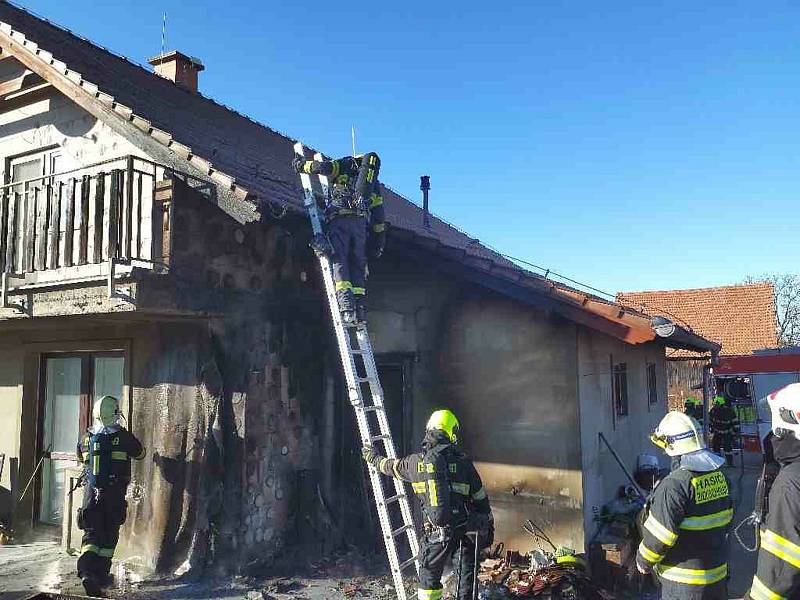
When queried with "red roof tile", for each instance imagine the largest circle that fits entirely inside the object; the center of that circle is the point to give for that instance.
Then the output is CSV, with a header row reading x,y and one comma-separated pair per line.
x,y
740,317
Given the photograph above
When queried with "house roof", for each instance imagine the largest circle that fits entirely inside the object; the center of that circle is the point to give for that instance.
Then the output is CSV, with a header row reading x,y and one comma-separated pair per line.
x,y
740,317
249,164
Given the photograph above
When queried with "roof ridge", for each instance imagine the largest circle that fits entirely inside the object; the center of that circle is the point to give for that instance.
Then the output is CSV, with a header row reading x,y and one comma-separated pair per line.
x,y
683,290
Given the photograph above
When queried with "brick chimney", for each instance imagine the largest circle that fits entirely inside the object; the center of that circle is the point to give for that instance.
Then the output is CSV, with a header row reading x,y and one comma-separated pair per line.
x,y
179,68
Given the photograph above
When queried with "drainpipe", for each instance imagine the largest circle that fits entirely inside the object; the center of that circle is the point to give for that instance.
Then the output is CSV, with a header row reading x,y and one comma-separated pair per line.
x,y
425,186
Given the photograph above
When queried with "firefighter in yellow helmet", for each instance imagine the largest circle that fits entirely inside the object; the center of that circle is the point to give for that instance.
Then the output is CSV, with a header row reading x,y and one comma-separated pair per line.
x,y
694,408
778,573
684,535
724,424
105,450
453,501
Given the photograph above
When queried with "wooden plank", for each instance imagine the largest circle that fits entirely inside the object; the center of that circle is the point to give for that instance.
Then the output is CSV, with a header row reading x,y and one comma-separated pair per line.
x,y
114,213
99,206
83,234
139,216
55,192
69,218
40,259
128,237
11,236
29,246
3,228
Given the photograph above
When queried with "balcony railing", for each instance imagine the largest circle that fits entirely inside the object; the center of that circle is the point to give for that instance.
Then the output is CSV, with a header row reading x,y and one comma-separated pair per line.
x,y
103,213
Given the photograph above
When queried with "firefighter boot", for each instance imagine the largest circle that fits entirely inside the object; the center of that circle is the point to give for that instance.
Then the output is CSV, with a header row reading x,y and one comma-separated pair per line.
x,y
361,310
92,587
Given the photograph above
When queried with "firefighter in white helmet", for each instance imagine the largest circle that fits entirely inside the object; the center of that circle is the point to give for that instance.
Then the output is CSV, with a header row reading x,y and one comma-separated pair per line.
x,y
684,535
778,574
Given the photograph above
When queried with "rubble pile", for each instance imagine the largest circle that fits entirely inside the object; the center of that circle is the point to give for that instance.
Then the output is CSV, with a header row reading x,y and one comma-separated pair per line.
x,y
560,575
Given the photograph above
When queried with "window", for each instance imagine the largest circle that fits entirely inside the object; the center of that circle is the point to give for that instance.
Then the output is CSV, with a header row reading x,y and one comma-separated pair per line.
x,y
652,387
620,380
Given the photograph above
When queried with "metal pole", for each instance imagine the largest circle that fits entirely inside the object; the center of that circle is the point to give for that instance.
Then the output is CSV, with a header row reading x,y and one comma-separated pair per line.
x,y
425,186
708,394
475,570
622,466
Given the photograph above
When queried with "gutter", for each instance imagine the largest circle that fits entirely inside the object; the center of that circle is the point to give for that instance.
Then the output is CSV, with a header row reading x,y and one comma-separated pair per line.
x,y
676,336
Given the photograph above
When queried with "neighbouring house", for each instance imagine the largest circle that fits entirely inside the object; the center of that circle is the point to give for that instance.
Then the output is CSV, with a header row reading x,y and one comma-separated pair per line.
x,y
741,318
153,246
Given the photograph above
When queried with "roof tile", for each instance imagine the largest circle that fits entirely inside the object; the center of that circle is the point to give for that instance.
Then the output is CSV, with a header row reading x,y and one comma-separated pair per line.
x,y
740,317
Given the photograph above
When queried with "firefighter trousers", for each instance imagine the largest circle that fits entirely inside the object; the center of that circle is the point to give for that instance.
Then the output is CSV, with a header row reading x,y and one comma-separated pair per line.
x,y
433,558
348,236
723,441
102,514
671,590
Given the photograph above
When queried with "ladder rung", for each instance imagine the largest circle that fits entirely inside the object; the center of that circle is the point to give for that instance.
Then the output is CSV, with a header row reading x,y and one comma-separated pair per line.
x,y
402,529
394,498
376,438
373,408
364,379
407,563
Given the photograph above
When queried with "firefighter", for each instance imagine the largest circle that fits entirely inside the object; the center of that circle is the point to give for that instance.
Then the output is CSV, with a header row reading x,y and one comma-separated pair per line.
x,y
778,573
684,534
105,450
724,426
453,501
354,226
694,408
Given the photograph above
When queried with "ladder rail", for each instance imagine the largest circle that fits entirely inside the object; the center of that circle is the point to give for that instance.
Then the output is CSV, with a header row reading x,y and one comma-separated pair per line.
x,y
348,352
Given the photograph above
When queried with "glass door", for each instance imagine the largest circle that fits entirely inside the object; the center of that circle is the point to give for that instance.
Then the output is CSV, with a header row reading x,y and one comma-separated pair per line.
x,y
62,426
71,384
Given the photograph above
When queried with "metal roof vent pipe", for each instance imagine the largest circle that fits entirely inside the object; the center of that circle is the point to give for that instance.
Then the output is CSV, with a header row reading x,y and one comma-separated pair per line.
x,y
425,186
178,68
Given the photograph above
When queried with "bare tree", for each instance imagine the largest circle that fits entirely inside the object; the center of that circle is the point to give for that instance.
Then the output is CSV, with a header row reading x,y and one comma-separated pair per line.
x,y
787,304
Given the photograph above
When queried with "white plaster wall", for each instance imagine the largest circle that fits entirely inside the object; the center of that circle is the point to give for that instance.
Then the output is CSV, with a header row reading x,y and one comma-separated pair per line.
x,y
629,435
10,408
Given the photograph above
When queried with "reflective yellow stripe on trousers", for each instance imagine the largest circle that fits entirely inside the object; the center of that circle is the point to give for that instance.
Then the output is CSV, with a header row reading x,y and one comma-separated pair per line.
x,y
781,547
758,591
429,594
693,576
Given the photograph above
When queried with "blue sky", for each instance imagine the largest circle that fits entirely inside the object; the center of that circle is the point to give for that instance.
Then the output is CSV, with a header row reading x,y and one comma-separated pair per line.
x,y
629,147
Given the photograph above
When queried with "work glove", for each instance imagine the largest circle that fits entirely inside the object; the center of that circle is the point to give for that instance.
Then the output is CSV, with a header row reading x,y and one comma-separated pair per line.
x,y
298,163
370,456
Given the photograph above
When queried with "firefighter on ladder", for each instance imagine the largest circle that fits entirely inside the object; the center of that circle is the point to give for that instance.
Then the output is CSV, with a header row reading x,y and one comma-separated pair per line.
x,y
778,573
355,228
724,425
684,534
453,501
105,450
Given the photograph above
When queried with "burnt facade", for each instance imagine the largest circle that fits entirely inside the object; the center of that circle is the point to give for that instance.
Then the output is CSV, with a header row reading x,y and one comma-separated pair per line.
x,y
184,284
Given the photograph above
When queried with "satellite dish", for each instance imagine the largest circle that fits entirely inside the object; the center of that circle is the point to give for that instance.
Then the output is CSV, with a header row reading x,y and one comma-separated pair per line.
x,y
663,327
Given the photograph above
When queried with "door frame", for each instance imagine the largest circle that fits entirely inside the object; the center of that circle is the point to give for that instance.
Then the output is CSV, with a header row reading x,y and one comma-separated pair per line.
x,y
405,361
33,402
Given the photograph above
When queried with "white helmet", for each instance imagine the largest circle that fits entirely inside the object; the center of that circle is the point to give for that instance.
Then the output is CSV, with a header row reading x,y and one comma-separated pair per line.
x,y
106,411
785,408
678,434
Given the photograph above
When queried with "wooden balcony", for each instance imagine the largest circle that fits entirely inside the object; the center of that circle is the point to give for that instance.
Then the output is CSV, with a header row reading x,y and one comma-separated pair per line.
x,y
93,223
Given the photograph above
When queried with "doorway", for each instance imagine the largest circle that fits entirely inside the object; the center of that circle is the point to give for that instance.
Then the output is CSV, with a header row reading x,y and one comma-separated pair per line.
x,y
69,385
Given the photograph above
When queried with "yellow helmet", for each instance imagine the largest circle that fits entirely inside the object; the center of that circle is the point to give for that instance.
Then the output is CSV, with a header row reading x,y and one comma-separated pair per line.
x,y
678,434
106,411
444,420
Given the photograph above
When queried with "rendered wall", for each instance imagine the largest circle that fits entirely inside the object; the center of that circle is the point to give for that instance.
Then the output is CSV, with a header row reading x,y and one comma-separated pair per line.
x,y
629,434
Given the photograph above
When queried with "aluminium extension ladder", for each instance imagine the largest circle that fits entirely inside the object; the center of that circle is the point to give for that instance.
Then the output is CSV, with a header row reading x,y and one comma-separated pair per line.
x,y
354,347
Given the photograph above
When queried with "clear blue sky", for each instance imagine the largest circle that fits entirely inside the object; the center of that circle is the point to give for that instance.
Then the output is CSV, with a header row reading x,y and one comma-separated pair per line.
x,y
630,147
